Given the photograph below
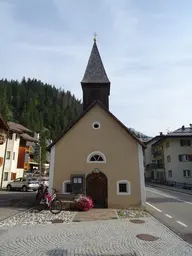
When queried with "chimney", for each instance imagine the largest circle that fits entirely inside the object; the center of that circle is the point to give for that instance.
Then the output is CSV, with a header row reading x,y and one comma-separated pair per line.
x,y
183,127
161,134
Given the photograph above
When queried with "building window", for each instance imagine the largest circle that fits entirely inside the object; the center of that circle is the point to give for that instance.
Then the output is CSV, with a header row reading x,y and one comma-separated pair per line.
x,y
13,176
5,176
96,125
123,187
170,174
77,183
16,136
187,173
167,144
185,158
169,159
8,155
10,136
184,142
96,157
66,188
13,155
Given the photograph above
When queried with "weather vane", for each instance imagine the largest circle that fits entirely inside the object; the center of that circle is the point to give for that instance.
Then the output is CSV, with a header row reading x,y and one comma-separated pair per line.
x,y
95,37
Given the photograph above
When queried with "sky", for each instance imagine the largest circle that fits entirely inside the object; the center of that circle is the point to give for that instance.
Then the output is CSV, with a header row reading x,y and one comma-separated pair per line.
x,y
145,46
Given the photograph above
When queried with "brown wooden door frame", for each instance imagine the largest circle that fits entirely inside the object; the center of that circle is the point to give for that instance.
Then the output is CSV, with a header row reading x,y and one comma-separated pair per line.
x,y
101,202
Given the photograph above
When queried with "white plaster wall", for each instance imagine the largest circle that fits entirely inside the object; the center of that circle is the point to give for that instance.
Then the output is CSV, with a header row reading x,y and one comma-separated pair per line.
x,y
2,154
141,172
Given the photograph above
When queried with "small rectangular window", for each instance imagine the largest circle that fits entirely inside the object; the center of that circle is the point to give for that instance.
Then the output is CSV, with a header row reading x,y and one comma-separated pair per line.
x,y
5,176
8,155
170,174
185,143
13,176
68,188
169,159
185,158
187,173
13,155
10,136
123,188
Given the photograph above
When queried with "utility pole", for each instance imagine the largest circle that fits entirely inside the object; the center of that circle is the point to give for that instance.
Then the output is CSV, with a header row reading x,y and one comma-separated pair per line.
x,y
4,160
40,160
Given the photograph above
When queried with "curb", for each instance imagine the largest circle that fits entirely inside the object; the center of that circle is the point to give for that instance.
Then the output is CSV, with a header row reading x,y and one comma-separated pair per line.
x,y
168,188
177,232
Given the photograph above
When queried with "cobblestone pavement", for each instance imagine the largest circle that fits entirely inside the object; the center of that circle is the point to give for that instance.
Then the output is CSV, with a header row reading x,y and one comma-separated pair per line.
x,y
107,237
33,217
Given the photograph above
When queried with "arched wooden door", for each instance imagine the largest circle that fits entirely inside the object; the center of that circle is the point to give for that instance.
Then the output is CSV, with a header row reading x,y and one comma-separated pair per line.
x,y
96,188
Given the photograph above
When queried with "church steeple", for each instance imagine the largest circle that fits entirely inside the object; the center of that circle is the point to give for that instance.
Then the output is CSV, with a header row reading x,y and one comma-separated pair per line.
x,y
95,83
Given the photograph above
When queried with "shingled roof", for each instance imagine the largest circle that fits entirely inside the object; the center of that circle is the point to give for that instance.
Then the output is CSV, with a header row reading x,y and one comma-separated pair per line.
x,y
95,71
18,128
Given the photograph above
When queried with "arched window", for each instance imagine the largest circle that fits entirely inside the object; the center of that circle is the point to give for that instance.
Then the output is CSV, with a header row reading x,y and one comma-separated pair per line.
x,y
96,157
123,187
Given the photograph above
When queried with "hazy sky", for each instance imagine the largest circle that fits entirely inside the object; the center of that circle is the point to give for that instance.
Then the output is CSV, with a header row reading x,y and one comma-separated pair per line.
x,y
145,45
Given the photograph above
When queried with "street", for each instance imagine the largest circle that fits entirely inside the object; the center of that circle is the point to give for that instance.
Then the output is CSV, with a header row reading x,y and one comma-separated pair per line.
x,y
14,202
173,208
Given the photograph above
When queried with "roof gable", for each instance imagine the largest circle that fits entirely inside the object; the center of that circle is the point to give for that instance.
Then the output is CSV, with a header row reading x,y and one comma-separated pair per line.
x,y
84,113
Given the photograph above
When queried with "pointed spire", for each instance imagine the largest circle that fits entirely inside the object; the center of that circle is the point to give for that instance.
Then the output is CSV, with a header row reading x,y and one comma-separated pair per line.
x,y
95,71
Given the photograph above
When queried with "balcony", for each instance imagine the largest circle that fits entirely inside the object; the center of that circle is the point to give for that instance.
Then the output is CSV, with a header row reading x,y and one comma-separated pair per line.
x,y
160,166
156,152
155,166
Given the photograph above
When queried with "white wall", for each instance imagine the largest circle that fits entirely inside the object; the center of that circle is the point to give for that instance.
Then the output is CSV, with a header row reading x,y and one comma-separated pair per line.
x,y
141,171
2,154
11,164
175,165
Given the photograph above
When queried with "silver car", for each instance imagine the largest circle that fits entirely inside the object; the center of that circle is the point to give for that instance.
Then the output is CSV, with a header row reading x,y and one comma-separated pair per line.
x,y
23,184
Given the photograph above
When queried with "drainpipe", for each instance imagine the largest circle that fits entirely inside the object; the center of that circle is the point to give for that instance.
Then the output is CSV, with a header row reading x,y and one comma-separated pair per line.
x,y
4,159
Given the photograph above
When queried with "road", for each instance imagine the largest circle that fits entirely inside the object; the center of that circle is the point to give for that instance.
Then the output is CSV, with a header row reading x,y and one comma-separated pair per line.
x,y
173,208
14,202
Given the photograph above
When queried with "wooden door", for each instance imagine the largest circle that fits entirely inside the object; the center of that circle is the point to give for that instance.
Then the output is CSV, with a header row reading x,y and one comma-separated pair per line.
x,y
96,188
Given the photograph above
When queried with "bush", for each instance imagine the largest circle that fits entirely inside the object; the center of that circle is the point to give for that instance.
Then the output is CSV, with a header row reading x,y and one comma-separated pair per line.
x,y
84,203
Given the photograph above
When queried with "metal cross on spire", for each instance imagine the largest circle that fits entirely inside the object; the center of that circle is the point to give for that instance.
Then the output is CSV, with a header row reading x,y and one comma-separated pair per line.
x,y
95,37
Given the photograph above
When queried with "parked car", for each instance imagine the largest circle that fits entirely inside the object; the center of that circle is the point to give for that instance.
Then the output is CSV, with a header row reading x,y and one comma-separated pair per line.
x,y
44,181
23,184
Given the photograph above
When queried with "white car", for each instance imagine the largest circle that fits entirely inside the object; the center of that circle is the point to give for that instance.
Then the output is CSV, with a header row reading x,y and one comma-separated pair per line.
x,y
44,181
23,184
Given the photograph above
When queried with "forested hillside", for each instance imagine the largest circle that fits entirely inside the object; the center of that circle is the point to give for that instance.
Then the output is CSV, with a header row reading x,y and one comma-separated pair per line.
x,y
38,106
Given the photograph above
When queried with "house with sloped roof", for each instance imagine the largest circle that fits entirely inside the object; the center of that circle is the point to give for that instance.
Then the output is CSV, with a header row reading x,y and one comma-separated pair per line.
x,y
168,157
97,154
4,128
15,152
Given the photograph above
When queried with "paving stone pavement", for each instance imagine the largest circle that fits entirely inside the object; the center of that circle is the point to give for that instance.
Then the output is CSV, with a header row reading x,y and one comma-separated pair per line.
x,y
107,237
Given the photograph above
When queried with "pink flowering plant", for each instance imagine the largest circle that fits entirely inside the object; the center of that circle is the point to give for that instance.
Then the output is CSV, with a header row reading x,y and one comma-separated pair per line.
x,y
83,203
